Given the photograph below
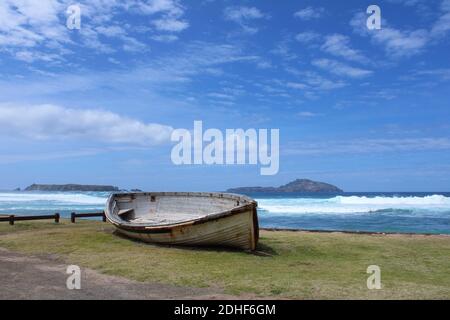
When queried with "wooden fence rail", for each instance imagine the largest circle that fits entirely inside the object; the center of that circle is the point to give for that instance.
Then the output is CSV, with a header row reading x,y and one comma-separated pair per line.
x,y
75,215
12,218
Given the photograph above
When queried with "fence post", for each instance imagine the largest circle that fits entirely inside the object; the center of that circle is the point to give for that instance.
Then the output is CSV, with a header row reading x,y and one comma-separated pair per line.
x,y
11,220
104,217
72,217
57,217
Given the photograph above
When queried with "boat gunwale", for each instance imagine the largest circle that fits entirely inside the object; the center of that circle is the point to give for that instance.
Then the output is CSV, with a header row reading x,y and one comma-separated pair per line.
x,y
146,228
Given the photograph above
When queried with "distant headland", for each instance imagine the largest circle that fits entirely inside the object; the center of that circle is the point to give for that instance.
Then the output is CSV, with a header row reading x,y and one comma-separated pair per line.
x,y
299,185
70,187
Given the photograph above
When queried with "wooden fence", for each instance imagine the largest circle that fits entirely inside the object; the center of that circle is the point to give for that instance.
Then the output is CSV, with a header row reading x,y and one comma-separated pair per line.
x,y
75,215
13,218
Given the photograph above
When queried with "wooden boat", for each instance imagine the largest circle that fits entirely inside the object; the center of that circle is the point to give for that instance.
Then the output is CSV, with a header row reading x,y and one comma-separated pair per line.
x,y
186,218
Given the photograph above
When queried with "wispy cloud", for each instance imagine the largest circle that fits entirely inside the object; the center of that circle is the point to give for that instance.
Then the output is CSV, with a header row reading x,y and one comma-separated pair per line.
x,y
362,146
297,85
307,36
165,37
339,45
27,24
51,122
242,15
308,114
170,24
402,43
193,59
41,26
397,43
341,69
313,81
45,156
309,13
442,25
442,74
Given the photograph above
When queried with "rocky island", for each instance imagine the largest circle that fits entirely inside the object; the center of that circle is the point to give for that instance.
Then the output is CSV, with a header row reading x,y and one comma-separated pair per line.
x,y
299,185
70,187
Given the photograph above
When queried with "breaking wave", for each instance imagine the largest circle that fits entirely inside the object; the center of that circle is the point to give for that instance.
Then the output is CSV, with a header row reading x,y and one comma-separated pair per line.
x,y
355,204
54,198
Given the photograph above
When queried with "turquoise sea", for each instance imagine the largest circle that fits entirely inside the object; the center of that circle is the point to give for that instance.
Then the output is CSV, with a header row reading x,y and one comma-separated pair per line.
x,y
373,212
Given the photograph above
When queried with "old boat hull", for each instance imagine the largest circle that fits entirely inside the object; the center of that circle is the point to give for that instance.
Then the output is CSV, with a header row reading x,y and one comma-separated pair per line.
x,y
236,227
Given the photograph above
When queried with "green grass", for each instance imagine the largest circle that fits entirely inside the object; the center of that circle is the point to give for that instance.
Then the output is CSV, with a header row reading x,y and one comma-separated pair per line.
x,y
297,265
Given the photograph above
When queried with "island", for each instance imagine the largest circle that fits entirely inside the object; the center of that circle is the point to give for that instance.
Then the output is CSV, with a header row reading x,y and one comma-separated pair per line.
x,y
299,185
70,187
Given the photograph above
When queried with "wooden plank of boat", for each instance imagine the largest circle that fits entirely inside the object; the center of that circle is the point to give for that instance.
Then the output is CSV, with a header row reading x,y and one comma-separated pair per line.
x,y
186,218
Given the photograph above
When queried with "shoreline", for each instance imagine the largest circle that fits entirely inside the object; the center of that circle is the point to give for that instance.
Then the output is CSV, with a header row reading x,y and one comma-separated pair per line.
x,y
355,232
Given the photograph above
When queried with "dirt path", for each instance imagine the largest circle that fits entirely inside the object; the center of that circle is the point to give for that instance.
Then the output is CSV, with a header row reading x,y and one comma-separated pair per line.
x,y
25,277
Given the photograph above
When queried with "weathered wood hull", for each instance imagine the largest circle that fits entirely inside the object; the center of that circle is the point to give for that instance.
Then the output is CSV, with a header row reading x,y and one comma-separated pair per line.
x,y
236,227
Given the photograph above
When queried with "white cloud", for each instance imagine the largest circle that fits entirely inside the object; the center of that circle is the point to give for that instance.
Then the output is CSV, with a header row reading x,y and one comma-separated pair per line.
x,y
155,77
442,25
339,68
170,24
313,81
55,122
132,45
307,36
114,31
91,40
320,83
111,31
221,96
41,25
402,43
61,154
361,146
264,64
397,43
309,13
114,61
171,14
297,85
338,45
165,38
31,56
170,7
28,23
282,49
308,114
242,15
443,74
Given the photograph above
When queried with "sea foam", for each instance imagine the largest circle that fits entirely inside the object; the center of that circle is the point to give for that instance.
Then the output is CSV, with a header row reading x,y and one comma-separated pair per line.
x,y
354,204
60,198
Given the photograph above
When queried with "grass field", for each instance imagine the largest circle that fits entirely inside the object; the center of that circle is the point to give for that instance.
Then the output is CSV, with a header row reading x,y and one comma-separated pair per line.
x,y
297,265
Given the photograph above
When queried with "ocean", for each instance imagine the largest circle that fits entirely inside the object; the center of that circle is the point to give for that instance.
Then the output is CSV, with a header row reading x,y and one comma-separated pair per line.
x,y
371,212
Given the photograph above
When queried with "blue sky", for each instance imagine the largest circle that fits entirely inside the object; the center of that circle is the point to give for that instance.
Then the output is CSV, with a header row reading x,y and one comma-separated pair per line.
x,y
367,110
